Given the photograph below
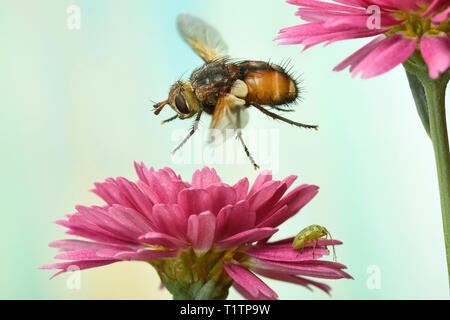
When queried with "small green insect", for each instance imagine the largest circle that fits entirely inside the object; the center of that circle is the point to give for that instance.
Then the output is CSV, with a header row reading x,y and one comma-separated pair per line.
x,y
313,233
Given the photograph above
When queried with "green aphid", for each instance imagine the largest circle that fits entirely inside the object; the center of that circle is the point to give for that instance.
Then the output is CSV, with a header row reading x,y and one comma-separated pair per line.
x,y
313,234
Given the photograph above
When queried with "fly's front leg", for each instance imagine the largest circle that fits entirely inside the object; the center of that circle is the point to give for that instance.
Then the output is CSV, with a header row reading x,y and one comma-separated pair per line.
x,y
191,133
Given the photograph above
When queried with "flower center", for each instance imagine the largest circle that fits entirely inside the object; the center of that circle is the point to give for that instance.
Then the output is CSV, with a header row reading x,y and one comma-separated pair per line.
x,y
414,26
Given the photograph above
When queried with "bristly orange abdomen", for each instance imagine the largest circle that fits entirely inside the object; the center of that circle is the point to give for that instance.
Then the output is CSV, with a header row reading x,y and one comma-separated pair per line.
x,y
268,84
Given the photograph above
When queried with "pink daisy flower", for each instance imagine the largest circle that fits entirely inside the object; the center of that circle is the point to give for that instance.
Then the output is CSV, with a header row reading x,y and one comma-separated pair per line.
x,y
201,237
402,27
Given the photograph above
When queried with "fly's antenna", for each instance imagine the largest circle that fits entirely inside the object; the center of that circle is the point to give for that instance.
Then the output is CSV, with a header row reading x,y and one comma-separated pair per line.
x,y
160,106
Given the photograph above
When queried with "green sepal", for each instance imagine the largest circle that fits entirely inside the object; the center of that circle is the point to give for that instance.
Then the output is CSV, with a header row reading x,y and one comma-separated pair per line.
x,y
195,276
211,290
420,99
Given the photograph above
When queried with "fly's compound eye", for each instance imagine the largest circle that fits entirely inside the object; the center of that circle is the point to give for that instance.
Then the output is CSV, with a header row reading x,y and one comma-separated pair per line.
x,y
181,105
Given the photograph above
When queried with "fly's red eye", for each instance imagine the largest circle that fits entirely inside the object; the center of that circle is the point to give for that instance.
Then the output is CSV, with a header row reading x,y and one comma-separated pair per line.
x,y
180,103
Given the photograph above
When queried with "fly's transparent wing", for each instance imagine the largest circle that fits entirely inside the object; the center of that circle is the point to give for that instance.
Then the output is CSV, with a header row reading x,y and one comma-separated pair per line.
x,y
203,38
232,120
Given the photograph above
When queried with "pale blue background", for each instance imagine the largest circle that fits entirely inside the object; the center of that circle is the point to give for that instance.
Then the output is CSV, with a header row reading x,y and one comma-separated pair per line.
x,y
75,108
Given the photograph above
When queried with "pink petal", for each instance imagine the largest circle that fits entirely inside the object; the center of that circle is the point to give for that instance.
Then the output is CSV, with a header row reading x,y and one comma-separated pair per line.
x,y
315,268
98,220
111,192
234,219
288,181
286,254
436,53
293,279
241,188
201,229
74,245
163,240
221,196
88,234
390,52
130,218
324,5
261,179
249,282
314,15
265,192
295,200
138,200
140,169
435,6
338,36
162,186
146,255
195,201
170,219
441,17
205,178
359,55
360,21
264,207
87,255
244,237
354,3
76,265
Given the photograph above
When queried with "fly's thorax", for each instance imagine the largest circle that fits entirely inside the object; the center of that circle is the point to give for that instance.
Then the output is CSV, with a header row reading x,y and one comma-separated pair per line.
x,y
213,80
183,99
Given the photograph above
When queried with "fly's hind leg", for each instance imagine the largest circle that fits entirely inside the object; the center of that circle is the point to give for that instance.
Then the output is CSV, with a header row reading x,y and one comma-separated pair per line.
x,y
281,109
239,136
278,117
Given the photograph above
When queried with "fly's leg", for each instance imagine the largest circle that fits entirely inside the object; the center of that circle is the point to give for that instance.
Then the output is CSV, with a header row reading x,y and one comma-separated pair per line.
x,y
281,109
239,136
194,128
170,119
278,117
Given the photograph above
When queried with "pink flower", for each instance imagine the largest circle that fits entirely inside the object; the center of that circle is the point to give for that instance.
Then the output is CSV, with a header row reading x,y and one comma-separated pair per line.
x,y
207,228
403,26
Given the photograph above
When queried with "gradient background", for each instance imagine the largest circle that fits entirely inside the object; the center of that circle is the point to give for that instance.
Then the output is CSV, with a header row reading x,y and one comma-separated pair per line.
x,y
75,109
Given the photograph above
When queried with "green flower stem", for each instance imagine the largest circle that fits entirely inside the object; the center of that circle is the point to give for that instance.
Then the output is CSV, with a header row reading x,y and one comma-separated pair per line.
x,y
435,92
429,95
